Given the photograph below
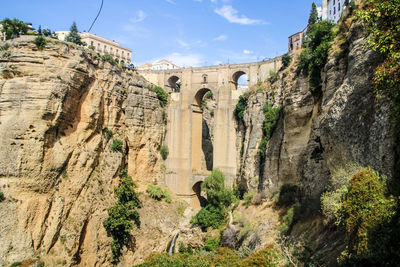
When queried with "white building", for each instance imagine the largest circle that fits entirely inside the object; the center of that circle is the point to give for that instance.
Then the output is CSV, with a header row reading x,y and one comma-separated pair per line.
x,y
333,9
102,45
162,64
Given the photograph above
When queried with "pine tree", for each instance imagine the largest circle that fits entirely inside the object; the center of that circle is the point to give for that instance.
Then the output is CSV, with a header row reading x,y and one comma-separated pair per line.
x,y
73,35
313,15
40,30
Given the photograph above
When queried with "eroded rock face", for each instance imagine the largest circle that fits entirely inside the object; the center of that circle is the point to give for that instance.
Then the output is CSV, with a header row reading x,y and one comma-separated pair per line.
x,y
317,135
57,170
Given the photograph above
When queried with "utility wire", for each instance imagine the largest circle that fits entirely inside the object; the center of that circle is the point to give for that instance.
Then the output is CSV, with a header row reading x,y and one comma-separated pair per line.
x,y
98,14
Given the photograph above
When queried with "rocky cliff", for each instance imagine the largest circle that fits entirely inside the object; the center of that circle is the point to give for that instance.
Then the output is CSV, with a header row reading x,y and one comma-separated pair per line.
x,y
57,168
316,135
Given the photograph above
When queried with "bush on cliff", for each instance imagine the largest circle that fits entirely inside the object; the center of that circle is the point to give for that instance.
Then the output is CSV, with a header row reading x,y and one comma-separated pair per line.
x,y
241,107
161,94
13,28
120,216
158,193
219,198
271,116
116,145
40,42
315,53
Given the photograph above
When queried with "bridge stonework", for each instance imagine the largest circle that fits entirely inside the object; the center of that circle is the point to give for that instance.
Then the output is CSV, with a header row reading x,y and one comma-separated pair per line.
x,y
184,124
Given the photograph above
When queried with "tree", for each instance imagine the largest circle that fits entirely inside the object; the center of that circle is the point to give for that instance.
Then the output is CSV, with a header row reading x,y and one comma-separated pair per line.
x,y
13,28
73,35
313,15
39,31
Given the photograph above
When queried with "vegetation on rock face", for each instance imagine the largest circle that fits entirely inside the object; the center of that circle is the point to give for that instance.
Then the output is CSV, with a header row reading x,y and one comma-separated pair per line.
x,y
116,145
219,198
73,35
273,76
40,42
382,20
315,53
224,257
161,94
366,210
108,58
108,134
271,117
158,193
164,152
2,196
241,107
13,28
286,59
120,216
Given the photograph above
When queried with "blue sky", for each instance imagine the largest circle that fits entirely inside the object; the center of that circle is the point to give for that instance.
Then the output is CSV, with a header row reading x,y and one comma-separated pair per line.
x,y
187,32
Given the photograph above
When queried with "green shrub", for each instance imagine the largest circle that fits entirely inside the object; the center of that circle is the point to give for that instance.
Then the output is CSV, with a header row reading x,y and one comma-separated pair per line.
x,y
164,152
287,221
40,42
116,145
219,198
2,197
161,94
270,256
273,76
109,58
91,47
366,207
247,197
212,244
241,107
287,195
315,53
177,260
271,116
108,134
15,264
120,216
286,59
158,193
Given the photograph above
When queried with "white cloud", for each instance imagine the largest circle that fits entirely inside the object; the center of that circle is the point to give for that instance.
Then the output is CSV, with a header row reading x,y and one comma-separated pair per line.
x,y
140,16
171,2
231,14
222,37
182,43
247,52
185,60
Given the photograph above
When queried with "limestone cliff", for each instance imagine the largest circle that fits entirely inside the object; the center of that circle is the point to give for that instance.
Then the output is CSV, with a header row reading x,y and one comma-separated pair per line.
x,y
315,135
57,170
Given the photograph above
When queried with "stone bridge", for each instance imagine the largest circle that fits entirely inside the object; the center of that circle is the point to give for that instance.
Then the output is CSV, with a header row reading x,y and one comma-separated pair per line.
x,y
185,127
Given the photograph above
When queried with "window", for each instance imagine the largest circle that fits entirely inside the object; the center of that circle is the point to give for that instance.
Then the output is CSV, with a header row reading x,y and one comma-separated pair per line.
x,y
111,50
98,46
91,43
339,6
334,10
105,48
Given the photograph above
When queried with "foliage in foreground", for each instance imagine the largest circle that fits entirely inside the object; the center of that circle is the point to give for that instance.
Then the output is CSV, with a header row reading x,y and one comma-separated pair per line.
x,y
219,198
161,94
315,53
120,216
224,257
368,214
271,116
158,193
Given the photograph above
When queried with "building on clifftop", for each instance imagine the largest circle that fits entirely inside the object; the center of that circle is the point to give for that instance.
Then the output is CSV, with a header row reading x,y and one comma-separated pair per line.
x,y
102,45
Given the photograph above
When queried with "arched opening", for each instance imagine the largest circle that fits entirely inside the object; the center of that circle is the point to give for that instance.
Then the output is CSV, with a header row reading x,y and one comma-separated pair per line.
x,y
200,198
205,78
175,84
202,131
241,80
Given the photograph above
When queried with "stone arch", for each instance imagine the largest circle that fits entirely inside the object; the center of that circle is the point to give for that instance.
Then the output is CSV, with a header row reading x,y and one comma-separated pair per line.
x,y
174,82
200,199
239,82
202,146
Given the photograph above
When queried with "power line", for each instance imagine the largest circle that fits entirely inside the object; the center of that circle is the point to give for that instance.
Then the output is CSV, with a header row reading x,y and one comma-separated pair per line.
x,y
98,14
